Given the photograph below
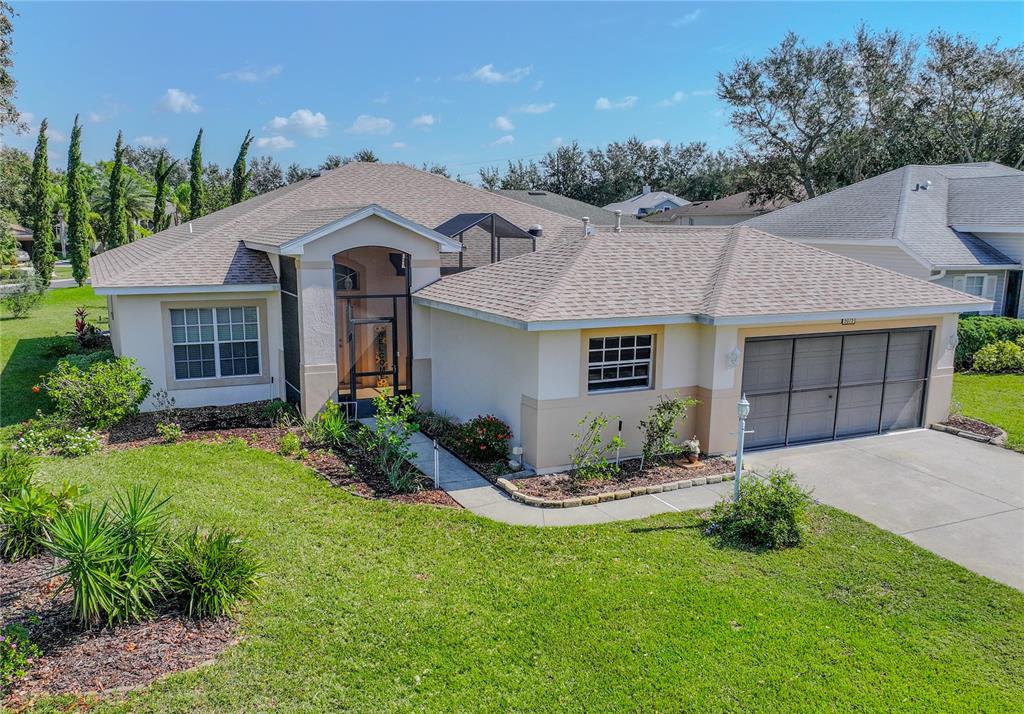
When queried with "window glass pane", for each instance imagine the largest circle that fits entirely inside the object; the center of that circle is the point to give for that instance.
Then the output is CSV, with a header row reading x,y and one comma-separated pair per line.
x,y
619,362
193,333
236,314
251,331
611,341
177,317
206,333
596,343
644,340
250,314
224,331
205,316
178,334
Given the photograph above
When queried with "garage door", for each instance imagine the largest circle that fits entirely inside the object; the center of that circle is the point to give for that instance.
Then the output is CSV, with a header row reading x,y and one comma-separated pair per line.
x,y
804,389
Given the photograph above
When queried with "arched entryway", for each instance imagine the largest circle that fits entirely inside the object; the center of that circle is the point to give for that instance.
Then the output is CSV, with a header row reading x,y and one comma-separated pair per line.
x,y
374,326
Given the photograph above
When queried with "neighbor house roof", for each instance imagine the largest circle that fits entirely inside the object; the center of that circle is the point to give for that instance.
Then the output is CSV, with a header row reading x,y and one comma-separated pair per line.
x,y
568,206
645,275
21,233
209,251
645,200
987,201
738,204
910,206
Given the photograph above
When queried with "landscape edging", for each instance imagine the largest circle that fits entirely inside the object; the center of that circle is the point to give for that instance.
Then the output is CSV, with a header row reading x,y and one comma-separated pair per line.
x,y
536,501
999,440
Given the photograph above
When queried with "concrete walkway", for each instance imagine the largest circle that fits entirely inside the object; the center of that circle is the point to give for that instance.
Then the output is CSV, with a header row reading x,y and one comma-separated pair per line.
x,y
476,494
957,498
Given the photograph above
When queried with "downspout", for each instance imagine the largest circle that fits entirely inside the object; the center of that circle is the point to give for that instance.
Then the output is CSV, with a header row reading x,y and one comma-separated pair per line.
x,y
938,276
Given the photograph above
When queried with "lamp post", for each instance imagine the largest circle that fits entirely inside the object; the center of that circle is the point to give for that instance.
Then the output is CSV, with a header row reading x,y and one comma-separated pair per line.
x,y
742,410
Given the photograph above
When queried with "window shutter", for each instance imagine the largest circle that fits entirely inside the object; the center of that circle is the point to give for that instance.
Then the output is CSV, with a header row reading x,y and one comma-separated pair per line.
x,y
989,290
958,282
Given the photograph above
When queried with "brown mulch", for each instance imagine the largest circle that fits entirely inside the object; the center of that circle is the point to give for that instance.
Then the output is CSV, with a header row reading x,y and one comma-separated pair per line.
x,y
562,485
79,661
250,423
973,425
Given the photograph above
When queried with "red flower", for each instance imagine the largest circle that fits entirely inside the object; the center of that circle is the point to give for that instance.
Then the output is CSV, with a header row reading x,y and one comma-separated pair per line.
x,y
35,389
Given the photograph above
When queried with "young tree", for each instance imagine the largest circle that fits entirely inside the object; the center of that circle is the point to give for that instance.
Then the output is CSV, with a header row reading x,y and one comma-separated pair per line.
x,y
239,174
265,175
197,191
365,155
42,219
490,177
15,177
161,172
521,175
79,231
297,173
118,228
332,161
566,171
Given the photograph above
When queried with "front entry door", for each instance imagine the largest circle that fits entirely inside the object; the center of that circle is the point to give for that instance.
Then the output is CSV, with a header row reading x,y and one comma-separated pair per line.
x,y
370,353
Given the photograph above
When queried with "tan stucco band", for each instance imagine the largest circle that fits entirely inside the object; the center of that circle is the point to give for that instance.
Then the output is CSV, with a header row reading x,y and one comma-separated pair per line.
x,y
264,377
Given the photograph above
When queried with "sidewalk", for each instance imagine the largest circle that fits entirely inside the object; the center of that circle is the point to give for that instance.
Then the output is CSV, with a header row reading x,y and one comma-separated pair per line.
x,y
476,494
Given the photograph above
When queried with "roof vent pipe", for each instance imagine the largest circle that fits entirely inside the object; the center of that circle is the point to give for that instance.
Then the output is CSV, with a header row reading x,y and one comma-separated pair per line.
x,y
586,226
924,185
618,220
190,227
536,230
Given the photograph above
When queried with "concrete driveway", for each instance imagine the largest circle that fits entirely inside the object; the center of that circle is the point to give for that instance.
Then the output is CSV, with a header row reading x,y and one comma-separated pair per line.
x,y
957,498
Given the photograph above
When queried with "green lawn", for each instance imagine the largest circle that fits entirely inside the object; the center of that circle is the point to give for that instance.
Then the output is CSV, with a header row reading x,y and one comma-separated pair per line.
x,y
372,606
995,398
61,271
25,342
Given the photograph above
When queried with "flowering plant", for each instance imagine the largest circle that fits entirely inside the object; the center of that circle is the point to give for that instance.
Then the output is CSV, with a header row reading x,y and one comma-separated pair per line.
x,y
17,654
485,438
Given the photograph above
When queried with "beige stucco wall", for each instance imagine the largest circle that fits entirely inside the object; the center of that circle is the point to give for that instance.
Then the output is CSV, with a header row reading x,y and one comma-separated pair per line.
x,y
140,328
317,319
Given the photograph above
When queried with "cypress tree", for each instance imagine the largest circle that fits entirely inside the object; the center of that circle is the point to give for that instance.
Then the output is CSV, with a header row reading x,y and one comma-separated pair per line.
x,y
197,192
39,208
160,175
118,231
78,209
239,174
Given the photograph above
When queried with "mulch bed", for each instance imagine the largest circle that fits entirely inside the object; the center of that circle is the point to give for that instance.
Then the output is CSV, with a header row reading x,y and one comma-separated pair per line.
x,y
80,661
490,470
973,425
562,485
250,423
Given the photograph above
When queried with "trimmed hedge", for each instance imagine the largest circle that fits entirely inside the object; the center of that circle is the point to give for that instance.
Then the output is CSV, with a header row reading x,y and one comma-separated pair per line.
x,y
976,332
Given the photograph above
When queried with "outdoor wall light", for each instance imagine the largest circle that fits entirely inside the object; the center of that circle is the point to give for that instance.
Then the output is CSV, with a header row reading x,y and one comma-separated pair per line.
x,y
733,358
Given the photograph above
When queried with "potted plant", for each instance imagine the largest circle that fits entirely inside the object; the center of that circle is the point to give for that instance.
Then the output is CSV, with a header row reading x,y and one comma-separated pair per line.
x,y
691,450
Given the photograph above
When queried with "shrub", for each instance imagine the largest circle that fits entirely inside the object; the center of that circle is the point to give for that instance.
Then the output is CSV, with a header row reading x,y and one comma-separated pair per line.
x,y
87,335
973,333
590,458
44,435
17,654
211,572
87,360
1002,356
289,445
171,432
100,396
16,469
771,513
27,293
439,426
485,438
659,429
25,516
387,446
277,412
328,429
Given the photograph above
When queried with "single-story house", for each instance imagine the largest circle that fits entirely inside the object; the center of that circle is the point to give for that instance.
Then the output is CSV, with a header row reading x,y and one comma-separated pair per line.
x,y
959,225
331,289
23,236
646,203
725,211
570,207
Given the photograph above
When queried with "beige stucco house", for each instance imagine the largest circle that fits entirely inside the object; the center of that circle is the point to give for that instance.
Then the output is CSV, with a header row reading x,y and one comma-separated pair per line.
x,y
375,276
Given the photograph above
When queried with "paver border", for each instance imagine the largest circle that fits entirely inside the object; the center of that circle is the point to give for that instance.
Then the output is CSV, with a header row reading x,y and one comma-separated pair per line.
x,y
999,440
537,502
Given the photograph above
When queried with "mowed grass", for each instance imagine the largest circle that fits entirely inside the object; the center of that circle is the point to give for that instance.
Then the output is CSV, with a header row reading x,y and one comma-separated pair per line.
x,y
25,342
994,398
371,606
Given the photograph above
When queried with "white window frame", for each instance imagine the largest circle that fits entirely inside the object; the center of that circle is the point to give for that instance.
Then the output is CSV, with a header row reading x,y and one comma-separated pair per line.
x,y
216,344
632,362
989,283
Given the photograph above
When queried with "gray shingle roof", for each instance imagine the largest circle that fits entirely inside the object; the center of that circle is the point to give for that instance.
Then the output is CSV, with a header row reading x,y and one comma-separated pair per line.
x,y
700,271
568,206
211,251
987,200
737,204
894,206
645,200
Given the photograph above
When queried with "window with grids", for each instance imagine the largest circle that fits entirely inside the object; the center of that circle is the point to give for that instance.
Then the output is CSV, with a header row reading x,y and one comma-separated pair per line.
x,y
620,362
975,285
215,342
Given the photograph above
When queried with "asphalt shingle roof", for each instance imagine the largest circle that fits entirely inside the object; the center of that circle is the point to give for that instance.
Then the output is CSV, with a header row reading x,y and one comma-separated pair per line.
x,y
987,200
685,271
209,250
645,200
738,204
568,206
895,206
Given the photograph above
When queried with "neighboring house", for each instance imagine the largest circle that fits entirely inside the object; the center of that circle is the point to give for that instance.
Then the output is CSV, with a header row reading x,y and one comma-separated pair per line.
x,y
331,289
24,237
960,225
646,203
568,206
725,211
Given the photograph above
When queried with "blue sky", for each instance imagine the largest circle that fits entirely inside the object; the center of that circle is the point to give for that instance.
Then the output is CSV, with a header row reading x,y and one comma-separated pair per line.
x,y
465,84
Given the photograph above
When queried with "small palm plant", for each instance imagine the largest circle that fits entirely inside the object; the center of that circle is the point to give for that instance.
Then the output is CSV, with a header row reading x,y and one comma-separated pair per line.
x,y
212,571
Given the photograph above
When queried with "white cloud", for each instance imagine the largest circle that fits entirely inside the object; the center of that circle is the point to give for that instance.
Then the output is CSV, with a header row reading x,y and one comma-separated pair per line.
x,y
536,108
604,103
302,121
686,19
654,143
366,124
274,143
56,135
507,139
488,75
178,101
398,145
251,75
677,96
557,141
425,120
151,141
702,93
538,85
503,124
